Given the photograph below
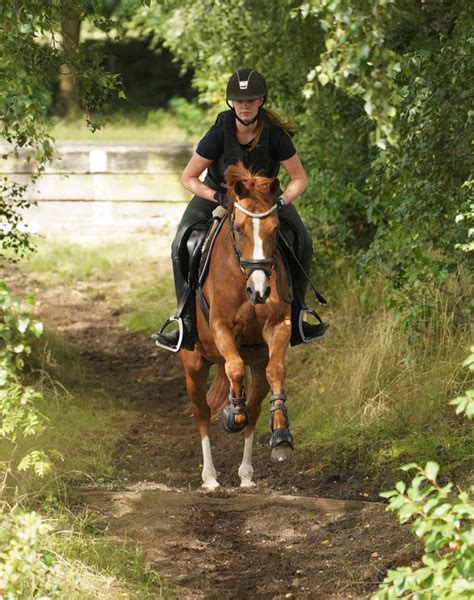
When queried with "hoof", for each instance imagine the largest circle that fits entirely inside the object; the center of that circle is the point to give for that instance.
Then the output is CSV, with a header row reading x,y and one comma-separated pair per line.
x,y
229,415
281,444
281,452
210,485
247,483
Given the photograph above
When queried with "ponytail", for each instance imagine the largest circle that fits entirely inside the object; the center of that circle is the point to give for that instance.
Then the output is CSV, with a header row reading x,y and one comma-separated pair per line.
x,y
266,116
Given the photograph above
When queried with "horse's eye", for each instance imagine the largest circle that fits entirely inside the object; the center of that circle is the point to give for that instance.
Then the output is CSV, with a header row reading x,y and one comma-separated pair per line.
x,y
238,229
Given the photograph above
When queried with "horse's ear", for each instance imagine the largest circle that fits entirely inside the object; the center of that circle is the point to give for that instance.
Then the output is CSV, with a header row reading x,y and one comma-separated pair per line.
x,y
239,189
274,186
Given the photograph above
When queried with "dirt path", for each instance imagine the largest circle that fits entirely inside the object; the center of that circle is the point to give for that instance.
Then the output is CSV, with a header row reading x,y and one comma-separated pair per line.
x,y
279,541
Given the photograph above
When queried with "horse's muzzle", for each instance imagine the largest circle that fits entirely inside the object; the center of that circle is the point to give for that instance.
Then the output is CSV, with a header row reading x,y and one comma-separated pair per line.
x,y
257,297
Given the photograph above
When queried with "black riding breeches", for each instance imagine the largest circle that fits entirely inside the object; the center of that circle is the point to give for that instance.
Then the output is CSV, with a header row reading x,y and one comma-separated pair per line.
x,y
200,209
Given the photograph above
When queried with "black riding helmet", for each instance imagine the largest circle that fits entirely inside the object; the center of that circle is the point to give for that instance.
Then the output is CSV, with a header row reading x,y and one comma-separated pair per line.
x,y
246,84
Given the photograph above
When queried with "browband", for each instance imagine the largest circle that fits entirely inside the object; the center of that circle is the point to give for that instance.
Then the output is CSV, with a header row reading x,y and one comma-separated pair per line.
x,y
256,215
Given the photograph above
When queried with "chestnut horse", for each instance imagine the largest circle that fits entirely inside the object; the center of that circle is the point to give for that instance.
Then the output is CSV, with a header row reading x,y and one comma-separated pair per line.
x,y
249,324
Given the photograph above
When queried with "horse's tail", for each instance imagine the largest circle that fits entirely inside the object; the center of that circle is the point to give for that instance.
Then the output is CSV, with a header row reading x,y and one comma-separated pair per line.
x,y
218,394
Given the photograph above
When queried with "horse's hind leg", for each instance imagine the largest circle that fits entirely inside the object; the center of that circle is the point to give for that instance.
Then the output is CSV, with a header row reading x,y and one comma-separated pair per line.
x,y
197,371
258,392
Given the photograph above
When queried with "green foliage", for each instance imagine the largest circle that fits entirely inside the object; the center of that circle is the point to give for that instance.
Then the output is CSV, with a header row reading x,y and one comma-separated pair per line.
x,y
27,569
444,521
19,417
31,53
357,59
378,90
446,526
56,556
465,403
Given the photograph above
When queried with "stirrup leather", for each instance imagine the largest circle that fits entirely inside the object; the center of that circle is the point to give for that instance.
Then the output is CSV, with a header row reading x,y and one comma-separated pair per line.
x,y
170,347
321,327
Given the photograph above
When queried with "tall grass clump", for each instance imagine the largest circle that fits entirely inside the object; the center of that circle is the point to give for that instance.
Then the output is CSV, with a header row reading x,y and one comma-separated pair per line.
x,y
372,395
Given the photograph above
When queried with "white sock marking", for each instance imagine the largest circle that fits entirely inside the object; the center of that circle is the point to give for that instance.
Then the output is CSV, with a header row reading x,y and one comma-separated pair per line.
x,y
246,468
209,473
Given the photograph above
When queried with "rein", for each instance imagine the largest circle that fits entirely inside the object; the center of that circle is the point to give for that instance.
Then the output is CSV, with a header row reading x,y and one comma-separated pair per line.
x,y
249,265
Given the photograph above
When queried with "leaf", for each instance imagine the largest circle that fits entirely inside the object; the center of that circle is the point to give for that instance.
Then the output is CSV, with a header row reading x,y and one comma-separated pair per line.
x,y
431,470
23,325
323,79
37,328
400,487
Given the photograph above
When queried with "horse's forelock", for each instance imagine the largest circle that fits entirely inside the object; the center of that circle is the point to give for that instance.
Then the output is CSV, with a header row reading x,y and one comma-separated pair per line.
x,y
258,187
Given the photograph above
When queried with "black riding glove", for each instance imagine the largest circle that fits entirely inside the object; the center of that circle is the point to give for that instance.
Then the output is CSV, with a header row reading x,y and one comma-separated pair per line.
x,y
280,202
221,198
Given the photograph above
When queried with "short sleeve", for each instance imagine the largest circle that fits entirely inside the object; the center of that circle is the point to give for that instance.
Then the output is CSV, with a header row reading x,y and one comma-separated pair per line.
x,y
212,144
281,145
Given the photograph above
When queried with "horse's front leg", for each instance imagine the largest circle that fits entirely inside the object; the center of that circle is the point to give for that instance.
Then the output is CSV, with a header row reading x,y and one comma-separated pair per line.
x,y
257,394
236,415
197,371
277,338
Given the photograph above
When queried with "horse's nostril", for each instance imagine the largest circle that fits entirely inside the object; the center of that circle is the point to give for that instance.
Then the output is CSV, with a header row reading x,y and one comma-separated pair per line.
x,y
249,290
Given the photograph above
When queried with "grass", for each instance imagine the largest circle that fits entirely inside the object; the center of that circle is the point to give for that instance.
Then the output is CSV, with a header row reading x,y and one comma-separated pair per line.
x,y
153,127
62,554
138,282
83,422
369,398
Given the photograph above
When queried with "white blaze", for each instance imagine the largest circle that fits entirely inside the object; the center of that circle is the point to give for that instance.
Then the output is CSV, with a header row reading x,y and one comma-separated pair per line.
x,y
258,278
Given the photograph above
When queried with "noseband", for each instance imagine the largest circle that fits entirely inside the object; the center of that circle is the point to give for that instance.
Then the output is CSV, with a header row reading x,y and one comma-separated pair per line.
x,y
249,265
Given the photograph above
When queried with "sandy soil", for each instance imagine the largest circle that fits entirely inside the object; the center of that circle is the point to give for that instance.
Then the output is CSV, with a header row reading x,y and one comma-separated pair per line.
x,y
277,541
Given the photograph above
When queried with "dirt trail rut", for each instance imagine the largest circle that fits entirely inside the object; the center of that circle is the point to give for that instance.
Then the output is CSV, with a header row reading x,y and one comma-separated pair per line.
x,y
277,541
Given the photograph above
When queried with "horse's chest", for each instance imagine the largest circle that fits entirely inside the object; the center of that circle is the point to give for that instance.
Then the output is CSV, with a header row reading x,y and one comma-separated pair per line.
x,y
246,324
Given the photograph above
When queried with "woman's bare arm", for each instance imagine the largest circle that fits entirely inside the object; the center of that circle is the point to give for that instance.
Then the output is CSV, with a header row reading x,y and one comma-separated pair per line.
x,y
190,177
298,180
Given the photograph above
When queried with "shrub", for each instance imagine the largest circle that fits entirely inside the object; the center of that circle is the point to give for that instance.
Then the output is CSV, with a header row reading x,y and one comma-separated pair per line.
x,y
18,414
445,522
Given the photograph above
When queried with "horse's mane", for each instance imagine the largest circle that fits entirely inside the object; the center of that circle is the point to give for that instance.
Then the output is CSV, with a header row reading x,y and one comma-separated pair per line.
x,y
256,186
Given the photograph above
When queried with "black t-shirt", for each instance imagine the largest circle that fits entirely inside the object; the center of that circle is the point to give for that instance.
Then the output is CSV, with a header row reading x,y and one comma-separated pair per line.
x,y
212,144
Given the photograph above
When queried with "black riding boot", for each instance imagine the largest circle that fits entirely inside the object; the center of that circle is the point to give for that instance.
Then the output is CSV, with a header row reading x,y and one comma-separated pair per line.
x,y
184,334
302,331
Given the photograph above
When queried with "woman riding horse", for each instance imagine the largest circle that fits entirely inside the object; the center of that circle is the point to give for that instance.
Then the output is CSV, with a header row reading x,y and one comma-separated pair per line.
x,y
256,137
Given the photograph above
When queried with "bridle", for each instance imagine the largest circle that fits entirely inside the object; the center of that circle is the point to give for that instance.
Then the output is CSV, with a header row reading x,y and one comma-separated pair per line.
x,y
249,265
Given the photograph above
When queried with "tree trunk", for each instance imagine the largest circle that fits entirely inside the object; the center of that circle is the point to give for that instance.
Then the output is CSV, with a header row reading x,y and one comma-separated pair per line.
x,y
70,29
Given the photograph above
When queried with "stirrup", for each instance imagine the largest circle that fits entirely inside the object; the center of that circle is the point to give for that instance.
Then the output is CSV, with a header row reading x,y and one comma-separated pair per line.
x,y
321,328
170,347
